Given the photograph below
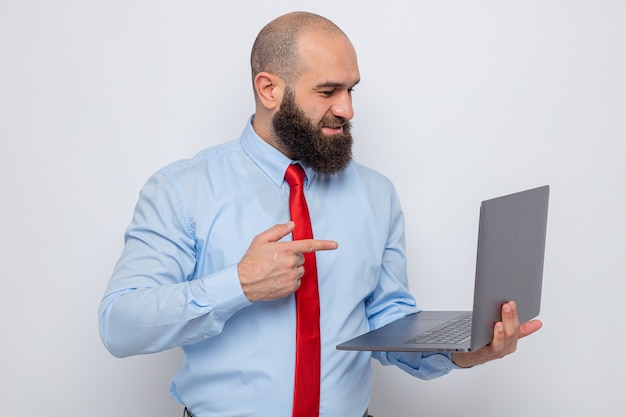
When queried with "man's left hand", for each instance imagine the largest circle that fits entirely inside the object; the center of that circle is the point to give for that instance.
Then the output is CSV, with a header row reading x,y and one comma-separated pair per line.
x,y
506,333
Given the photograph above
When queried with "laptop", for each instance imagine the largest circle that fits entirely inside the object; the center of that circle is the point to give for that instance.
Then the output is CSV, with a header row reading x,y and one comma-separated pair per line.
x,y
509,267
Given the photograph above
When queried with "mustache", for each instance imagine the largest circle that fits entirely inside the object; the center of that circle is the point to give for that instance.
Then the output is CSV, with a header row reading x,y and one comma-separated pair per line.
x,y
334,121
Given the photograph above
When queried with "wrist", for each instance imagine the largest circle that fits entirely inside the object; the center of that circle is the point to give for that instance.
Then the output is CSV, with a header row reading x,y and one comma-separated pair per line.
x,y
464,360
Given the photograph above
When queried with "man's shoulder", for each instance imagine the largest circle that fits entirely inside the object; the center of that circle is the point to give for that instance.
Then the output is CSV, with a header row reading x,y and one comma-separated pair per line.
x,y
203,160
368,174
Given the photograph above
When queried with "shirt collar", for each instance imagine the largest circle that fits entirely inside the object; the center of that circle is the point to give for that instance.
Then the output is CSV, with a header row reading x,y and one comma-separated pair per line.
x,y
271,161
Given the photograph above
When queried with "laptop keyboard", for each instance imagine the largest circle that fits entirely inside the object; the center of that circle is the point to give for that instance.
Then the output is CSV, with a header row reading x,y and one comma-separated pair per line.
x,y
450,332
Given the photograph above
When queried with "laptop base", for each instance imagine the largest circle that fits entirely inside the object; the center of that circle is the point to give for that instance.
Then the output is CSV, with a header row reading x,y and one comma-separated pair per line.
x,y
394,336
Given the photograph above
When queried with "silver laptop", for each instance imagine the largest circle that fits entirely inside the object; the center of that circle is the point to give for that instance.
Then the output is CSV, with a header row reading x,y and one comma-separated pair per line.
x,y
509,267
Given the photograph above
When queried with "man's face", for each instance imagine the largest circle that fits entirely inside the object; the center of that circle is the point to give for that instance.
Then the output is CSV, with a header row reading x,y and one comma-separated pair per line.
x,y
313,121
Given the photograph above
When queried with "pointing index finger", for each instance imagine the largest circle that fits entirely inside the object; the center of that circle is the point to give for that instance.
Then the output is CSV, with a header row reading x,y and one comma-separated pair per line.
x,y
312,245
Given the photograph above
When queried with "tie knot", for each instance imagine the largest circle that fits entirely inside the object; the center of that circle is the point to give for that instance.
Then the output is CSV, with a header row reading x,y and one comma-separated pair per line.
x,y
294,175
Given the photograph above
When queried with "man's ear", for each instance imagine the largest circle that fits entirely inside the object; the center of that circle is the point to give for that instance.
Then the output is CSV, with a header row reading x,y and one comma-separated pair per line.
x,y
269,89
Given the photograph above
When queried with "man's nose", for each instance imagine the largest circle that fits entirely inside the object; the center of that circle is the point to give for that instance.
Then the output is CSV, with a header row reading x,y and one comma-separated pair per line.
x,y
343,106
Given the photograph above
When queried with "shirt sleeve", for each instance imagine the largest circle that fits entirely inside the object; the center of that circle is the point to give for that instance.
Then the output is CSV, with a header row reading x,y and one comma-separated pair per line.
x,y
425,365
153,301
391,301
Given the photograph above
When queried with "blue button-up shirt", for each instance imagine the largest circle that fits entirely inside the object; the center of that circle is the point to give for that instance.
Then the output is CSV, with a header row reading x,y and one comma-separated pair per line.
x,y
176,282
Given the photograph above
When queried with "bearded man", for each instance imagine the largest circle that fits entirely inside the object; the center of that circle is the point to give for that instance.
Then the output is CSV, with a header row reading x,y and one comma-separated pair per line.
x,y
219,258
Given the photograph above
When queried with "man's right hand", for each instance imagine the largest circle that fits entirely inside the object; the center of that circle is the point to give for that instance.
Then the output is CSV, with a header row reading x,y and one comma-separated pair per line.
x,y
271,269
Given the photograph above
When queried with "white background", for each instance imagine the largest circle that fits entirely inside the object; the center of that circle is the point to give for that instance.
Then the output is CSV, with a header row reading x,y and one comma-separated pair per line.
x,y
460,101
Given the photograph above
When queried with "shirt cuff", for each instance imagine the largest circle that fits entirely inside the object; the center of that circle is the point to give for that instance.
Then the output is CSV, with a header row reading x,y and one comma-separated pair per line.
x,y
224,293
421,365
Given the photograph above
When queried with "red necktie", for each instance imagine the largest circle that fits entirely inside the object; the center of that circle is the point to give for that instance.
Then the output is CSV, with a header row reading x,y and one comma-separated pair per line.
x,y
307,379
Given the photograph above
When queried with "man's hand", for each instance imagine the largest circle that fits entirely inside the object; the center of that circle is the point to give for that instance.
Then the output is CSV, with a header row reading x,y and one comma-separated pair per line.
x,y
505,336
270,269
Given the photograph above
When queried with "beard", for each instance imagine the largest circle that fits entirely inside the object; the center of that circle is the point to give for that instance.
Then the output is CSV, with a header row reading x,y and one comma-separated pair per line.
x,y
303,140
